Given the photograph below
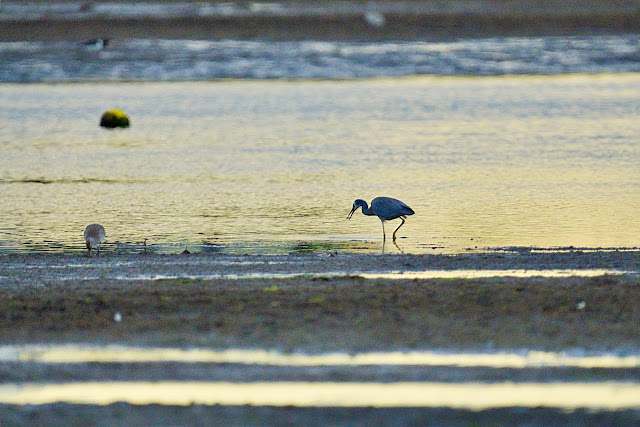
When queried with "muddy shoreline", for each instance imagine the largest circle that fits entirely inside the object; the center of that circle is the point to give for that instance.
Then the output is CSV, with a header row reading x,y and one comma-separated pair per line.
x,y
437,21
320,303
398,28
124,414
331,314
294,303
19,269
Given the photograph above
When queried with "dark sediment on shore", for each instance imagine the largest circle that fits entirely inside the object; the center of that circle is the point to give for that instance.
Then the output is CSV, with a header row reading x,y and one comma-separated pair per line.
x,y
47,299
50,299
334,314
125,414
472,19
398,27
28,269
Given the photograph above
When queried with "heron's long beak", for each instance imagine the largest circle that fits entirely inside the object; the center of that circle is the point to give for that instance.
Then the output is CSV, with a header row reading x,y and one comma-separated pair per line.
x,y
352,211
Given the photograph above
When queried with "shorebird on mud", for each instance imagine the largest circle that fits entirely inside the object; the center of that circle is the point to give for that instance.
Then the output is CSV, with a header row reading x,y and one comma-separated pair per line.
x,y
94,235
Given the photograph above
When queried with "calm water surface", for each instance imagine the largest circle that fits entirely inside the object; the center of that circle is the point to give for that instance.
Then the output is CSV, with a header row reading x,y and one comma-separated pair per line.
x,y
569,396
328,388
276,165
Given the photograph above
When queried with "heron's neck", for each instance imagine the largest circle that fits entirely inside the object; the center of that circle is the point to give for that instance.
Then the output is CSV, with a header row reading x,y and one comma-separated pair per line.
x,y
367,210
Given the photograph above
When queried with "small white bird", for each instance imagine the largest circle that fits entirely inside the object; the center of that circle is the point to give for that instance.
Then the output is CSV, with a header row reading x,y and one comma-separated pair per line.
x,y
94,235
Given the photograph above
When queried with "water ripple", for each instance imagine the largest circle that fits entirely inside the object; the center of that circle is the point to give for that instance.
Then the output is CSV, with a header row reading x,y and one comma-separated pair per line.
x,y
161,60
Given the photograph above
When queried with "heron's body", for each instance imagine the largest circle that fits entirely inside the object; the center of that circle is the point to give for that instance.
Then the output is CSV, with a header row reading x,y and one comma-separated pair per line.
x,y
385,208
94,235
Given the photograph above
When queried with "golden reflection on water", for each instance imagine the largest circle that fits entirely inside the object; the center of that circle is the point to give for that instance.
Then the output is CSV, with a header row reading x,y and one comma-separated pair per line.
x,y
397,275
121,354
476,396
544,161
610,395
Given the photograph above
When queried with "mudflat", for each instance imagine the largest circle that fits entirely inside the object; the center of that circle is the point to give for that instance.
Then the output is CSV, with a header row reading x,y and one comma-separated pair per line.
x,y
320,303
332,314
317,303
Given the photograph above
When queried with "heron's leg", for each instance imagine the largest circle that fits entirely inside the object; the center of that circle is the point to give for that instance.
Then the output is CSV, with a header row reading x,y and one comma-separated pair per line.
x,y
384,235
394,233
98,249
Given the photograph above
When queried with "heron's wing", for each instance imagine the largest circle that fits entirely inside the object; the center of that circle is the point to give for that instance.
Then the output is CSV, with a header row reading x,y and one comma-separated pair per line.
x,y
390,208
407,209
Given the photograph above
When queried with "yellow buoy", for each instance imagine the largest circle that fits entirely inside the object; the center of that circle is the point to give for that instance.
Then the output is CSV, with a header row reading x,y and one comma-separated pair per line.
x,y
114,119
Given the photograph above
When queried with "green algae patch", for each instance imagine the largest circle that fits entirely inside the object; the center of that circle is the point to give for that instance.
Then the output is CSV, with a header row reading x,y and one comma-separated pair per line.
x,y
114,119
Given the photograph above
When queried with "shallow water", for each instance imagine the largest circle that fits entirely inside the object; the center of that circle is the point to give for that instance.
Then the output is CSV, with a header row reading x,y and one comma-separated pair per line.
x,y
187,60
467,390
609,396
276,165
128,354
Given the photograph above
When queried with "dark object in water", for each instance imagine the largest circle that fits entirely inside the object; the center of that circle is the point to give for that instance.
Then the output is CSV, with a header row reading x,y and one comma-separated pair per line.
x,y
114,119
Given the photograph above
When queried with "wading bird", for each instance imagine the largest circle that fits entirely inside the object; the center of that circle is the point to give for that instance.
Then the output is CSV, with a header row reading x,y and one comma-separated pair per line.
x,y
385,208
94,235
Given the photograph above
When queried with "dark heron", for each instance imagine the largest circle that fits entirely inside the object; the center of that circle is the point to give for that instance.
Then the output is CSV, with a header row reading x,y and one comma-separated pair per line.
x,y
385,208
94,235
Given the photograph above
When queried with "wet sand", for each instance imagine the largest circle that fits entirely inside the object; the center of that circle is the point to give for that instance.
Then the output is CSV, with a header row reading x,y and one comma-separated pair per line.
x,y
322,302
438,21
234,301
331,313
124,414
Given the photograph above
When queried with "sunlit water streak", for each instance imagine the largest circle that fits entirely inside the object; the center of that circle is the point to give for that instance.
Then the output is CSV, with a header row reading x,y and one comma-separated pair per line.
x,y
470,395
393,275
275,166
124,354
398,275
480,274
610,396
